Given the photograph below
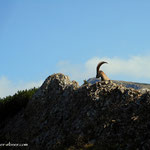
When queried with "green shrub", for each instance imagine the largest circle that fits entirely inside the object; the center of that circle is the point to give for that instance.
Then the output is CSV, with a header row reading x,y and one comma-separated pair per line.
x,y
11,105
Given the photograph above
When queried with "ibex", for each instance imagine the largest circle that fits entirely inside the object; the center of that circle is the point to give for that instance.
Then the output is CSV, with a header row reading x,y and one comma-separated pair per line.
x,y
100,73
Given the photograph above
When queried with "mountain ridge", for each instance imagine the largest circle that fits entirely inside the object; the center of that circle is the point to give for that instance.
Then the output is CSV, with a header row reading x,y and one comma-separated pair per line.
x,y
136,85
65,116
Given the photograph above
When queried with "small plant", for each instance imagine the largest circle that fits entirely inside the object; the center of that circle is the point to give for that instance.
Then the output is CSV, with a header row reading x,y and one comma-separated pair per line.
x,y
85,82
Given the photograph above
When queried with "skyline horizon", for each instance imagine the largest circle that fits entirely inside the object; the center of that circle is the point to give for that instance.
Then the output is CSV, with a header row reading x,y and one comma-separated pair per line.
x,y
39,38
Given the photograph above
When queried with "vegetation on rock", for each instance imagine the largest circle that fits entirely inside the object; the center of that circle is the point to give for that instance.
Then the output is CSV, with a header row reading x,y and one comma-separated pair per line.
x,y
11,105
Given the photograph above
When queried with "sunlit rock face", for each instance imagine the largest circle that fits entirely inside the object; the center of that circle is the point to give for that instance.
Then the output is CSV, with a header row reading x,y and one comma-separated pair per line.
x,y
63,115
142,87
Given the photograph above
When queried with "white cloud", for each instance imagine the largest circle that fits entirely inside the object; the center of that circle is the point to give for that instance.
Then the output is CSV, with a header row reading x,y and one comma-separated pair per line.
x,y
7,87
135,68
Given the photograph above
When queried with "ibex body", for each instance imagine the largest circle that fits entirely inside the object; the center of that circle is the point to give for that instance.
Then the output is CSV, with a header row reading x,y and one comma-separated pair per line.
x,y
100,73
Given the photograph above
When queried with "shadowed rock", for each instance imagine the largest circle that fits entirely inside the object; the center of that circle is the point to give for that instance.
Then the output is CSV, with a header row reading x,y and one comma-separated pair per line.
x,y
62,115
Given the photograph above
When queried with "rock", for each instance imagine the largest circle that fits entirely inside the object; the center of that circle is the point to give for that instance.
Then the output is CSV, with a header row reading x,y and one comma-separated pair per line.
x,y
64,115
142,87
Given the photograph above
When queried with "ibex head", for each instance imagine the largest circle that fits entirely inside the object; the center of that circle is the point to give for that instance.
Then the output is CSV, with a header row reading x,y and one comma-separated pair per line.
x,y
100,73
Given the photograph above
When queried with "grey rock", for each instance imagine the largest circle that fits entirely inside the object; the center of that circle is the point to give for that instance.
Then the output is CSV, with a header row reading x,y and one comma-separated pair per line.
x,y
64,115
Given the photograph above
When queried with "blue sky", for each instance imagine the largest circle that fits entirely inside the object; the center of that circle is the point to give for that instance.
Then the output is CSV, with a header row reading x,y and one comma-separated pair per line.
x,y
42,37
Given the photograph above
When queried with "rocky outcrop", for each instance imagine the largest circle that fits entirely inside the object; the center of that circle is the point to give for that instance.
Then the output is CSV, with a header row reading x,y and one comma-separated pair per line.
x,y
63,115
142,87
